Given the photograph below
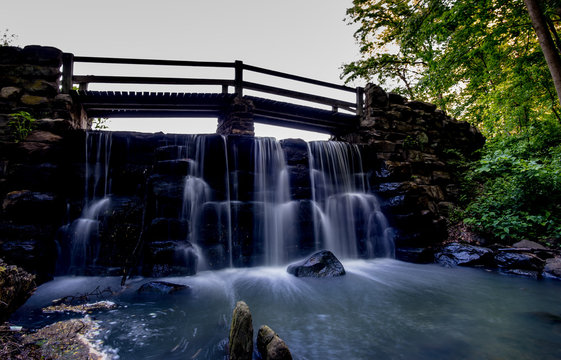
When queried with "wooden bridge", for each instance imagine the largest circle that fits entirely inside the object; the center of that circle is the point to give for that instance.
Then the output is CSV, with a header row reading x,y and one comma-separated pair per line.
x,y
342,117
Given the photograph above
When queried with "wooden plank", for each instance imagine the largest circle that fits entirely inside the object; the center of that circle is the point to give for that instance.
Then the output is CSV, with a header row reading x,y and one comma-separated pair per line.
x,y
299,95
153,113
238,79
359,101
149,80
298,78
67,72
112,60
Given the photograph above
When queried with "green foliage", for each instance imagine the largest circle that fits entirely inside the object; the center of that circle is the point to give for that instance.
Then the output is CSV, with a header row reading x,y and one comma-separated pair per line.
x,y
520,193
478,60
100,124
21,124
7,39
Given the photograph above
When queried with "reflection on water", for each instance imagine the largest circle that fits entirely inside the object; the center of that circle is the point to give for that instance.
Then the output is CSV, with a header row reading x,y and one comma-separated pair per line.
x,y
382,309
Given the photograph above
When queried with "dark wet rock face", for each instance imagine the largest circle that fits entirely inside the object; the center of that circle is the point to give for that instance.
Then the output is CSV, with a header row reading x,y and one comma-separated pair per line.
x,y
463,255
320,264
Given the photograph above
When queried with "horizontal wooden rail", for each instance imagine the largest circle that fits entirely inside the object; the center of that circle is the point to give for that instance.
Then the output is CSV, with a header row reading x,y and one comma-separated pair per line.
x,y
86,79
298,78
111,60
299,95
237,83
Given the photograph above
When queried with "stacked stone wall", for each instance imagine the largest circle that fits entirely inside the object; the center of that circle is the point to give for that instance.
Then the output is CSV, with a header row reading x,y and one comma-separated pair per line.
x,y
414,145
39,174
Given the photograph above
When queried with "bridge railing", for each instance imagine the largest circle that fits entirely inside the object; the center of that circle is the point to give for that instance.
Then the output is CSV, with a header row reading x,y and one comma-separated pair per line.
x,y
238,83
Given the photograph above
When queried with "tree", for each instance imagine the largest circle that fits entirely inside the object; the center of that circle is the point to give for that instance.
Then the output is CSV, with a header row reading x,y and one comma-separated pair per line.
x,y
551,54
479,60
7,39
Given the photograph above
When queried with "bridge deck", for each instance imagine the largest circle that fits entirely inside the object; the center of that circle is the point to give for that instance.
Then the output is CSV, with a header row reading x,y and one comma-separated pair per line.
x,y
107,104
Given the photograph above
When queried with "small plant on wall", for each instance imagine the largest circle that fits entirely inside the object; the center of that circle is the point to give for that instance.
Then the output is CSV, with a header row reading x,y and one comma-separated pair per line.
x,y
100,124
21,124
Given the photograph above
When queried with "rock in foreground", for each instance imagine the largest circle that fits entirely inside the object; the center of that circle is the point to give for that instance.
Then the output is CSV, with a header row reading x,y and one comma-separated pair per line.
x,y
320,264
271,346
71,339
241,333
16,286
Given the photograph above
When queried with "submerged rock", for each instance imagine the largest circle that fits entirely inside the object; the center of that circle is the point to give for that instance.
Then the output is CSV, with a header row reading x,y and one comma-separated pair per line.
x,y
463,254
16,286
271,346
161,287
241,333
320,264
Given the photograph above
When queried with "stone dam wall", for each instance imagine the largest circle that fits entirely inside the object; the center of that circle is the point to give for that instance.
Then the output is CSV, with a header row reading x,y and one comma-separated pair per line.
x,y
406,150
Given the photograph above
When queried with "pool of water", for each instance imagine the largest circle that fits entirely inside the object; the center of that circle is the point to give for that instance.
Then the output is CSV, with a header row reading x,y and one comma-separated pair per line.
x,y
382,309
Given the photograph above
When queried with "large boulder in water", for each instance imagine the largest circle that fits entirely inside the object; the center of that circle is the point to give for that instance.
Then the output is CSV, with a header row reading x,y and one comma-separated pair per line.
x,y
463,254
320,264
241,333
271,346
161,287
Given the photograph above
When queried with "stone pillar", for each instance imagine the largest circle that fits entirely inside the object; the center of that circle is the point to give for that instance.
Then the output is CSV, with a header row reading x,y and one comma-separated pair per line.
x,y
238,119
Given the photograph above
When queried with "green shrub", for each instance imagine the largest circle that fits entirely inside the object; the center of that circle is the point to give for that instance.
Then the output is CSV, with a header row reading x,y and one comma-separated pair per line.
x,y
21,124
519,193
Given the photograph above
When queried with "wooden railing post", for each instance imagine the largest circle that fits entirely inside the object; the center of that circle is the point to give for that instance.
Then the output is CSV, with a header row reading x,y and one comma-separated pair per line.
x,y
238,79
359,101
67,72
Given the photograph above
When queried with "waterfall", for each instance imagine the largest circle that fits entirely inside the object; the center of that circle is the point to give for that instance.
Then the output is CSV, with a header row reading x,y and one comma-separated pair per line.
x,y
349,220
271,193
82,234
212,202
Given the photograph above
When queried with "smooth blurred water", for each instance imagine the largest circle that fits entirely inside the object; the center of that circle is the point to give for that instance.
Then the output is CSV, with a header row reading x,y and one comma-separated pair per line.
x,y
382,309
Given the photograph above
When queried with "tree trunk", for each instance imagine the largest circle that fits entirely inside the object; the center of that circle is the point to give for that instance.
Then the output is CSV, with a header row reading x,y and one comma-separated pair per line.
x,y
546,43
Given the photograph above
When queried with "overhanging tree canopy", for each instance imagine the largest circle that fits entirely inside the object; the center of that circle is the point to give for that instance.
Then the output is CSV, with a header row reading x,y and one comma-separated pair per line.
x,y
479,60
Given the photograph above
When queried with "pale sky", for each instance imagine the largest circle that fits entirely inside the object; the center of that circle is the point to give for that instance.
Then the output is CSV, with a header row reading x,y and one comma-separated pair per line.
x,y
303,37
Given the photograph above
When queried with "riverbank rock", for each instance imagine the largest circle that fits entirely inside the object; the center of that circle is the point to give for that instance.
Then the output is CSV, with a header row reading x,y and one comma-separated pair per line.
x,y
161,287
81,309
271,346
525,264
70,339
320,264
16,286
456,254
241,333
527,244
552,268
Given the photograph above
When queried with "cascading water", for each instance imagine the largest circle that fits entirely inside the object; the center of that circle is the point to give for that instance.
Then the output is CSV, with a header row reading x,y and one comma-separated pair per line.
x,y
240,201
348,220
273,197
82,234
